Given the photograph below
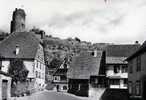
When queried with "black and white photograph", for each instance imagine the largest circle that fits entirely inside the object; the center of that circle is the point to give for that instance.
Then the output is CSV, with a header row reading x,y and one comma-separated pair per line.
x,y
72,49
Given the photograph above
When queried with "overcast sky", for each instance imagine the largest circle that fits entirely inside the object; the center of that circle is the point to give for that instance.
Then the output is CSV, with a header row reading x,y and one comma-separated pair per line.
x,y
116,21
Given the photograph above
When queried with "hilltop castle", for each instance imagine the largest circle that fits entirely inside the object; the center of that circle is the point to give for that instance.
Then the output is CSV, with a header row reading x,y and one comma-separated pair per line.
x,y
18,21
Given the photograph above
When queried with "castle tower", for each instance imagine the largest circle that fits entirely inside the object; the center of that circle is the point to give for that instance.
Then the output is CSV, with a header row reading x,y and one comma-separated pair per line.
x,y
18,21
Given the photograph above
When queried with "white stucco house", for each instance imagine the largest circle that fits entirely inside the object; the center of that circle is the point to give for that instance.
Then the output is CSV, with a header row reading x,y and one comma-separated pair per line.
x,y
117,73
25,46
116,66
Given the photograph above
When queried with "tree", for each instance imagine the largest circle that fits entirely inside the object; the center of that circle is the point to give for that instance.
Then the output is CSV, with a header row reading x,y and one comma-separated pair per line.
x,y
77,39
18,70
55,63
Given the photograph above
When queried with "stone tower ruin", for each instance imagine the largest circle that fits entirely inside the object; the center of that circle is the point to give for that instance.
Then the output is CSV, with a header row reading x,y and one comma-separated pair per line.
x,y
18,21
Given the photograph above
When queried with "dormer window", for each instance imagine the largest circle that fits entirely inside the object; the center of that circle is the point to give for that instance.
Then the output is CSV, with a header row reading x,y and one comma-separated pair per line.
x,y
17,49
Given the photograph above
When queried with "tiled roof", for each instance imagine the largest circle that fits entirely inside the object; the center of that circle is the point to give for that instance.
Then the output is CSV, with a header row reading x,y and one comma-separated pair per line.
x,y
116,60
26,41
141,49
121,50
84,66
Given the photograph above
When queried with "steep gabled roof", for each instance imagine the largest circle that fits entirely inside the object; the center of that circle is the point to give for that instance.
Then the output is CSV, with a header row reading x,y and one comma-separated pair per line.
x,y
121,50
26,41
116,54
85,65
141,49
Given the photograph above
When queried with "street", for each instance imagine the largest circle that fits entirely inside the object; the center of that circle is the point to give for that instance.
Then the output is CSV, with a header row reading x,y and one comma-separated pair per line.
x,y
51,95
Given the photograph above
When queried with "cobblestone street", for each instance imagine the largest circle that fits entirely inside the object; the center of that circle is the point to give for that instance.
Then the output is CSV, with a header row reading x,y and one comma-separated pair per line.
x,y
50,95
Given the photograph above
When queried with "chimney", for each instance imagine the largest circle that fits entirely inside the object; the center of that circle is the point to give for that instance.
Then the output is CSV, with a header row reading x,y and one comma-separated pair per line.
x,y
17,49
136,42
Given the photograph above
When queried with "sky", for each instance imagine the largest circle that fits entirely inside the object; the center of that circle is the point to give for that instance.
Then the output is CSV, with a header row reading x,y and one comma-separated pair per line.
x,y
96,21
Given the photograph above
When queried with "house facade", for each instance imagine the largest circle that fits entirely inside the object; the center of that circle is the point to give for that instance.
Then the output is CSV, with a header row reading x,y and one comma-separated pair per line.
x,y
87,73
60,78
27,47
137,74
117,73
116,66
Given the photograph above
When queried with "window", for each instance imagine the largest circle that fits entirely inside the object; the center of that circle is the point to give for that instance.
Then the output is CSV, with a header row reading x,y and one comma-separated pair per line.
x,y
42,76
138,88
124,69
115,82
61,67
23,25
79,87
133,89
125,82
36,74
37,64
63,78
131,67
65,66
130,87
39,75
55,78
31,80
40,65
116,69
96,80
92,53
138,62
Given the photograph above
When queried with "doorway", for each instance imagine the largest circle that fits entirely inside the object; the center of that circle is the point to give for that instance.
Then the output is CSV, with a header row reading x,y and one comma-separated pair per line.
x,y
4,89
144,90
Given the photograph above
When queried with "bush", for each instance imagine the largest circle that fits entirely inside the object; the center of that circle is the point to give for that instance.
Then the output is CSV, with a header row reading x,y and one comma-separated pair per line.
x,y
28,92
49,86
18,70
